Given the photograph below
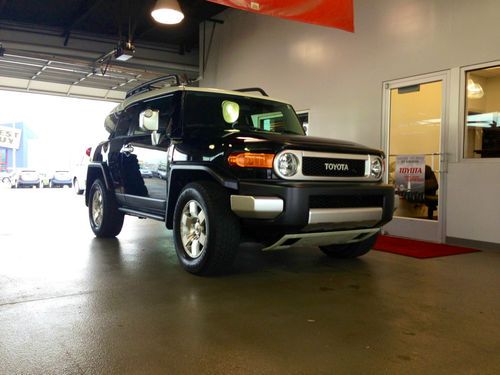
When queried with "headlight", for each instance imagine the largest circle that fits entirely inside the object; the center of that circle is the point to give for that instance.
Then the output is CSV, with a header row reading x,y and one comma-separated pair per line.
x,y
288,164
376,168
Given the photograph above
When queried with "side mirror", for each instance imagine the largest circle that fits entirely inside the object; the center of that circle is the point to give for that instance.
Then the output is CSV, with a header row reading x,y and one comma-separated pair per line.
x,y
148,120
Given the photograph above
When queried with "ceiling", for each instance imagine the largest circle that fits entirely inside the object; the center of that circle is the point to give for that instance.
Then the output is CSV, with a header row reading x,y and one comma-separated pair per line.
x,y
112,18
58,46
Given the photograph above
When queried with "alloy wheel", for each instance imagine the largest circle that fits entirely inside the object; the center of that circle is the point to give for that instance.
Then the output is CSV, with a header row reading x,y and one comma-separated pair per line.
x,y
193,229
97,208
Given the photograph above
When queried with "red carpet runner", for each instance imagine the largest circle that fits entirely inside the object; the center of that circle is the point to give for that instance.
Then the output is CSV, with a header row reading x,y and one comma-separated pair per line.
x,y
418,249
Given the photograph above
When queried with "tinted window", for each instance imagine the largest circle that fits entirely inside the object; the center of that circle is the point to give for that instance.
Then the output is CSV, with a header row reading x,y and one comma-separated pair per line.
x,y
166,106
205,110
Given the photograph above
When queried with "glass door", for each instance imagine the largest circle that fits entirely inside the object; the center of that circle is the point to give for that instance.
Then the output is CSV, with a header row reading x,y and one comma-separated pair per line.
x,y
415,114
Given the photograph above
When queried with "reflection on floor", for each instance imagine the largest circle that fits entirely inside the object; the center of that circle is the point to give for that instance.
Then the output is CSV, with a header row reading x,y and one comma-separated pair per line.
x,y
70,303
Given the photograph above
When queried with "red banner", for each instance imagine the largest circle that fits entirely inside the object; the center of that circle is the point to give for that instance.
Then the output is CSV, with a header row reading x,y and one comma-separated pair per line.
x,y
331,13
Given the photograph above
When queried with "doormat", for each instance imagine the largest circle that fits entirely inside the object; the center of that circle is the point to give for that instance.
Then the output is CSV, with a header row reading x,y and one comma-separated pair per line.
x,y
418,249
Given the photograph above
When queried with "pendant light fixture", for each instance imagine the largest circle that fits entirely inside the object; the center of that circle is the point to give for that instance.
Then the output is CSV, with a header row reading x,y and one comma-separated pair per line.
x,y
167,12
474,90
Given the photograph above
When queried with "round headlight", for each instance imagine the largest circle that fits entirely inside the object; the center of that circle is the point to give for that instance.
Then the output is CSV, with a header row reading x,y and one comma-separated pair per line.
x,y
288,164
376,169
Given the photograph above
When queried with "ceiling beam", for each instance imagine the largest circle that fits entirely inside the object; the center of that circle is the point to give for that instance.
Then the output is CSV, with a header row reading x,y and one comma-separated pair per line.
x,y
79,16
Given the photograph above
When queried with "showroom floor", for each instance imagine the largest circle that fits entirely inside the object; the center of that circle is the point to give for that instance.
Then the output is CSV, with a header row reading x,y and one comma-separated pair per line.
x,y
73,304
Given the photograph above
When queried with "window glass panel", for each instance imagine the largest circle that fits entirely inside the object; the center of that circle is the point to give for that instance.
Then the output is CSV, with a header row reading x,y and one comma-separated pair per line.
x,y
204,112
482,113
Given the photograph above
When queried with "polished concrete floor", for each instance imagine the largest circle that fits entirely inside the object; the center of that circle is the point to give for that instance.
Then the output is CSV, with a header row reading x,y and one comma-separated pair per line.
x,y
73,304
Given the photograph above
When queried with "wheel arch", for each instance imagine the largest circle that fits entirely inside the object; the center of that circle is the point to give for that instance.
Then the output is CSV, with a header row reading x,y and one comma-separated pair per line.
x,y
95,171
183,175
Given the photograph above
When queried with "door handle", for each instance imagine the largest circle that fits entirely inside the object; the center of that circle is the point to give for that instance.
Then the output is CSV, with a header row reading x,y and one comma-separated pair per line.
x,y
127,149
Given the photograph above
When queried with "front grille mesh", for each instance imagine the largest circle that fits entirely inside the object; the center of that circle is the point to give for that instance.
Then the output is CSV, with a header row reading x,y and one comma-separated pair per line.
x,y
345,201
318,167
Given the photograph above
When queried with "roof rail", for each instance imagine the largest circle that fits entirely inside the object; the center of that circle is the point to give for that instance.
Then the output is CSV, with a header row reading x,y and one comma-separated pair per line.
x,y
253,89
149,85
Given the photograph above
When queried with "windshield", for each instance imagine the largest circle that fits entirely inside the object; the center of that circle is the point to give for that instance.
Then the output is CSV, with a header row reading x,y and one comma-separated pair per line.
x,y
216,111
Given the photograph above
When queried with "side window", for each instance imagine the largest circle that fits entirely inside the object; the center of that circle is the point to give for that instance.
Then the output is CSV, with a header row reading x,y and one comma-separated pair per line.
x,y
115,125
166,105
132,119
129,121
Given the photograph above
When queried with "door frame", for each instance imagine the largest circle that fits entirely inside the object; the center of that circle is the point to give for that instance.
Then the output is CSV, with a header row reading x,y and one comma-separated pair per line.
x,y
387,86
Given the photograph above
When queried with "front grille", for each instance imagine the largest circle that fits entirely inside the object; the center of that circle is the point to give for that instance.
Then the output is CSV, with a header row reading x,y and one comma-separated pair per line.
x,y
345,201
328,167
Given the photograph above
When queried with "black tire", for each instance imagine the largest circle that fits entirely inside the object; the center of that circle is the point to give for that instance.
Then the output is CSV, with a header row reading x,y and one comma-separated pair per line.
x,y
76,186
218,229
350,250
108,222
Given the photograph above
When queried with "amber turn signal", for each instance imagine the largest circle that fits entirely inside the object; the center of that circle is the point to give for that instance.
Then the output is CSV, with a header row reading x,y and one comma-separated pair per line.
x,y
251,160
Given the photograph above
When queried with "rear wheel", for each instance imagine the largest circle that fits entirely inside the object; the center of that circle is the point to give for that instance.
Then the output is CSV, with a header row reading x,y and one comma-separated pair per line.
x,y
350,250
105,219
206,231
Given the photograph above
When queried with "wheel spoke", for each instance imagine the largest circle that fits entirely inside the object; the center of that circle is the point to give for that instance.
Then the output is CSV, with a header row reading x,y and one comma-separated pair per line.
x,y
184,220
193,209
195,248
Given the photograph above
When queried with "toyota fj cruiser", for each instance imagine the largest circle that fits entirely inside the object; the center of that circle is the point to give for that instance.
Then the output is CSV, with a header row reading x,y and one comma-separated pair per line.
x,y
227,165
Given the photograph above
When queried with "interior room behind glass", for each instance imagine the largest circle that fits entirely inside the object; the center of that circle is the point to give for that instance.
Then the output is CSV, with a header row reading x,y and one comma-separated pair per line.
x,y
482,130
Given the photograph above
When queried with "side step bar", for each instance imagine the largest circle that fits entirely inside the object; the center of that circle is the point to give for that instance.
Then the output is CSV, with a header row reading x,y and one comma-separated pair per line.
x,y
141,215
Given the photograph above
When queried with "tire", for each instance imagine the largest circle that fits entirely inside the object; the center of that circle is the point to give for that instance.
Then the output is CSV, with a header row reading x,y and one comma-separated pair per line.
x,y
51,185
76,186
105,219
203,211
350,250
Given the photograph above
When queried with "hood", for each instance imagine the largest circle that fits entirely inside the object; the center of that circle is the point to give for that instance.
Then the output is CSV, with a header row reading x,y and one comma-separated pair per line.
x,y
256,141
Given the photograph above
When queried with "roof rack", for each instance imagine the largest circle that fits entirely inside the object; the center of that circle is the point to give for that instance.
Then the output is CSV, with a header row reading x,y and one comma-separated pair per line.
x,y
253,89
150,85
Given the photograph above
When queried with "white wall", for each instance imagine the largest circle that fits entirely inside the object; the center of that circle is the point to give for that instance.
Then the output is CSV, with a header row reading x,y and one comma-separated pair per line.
x,y
339,75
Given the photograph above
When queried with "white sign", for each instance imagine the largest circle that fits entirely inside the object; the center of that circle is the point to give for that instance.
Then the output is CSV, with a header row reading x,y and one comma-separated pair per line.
x,y
410,176
10,137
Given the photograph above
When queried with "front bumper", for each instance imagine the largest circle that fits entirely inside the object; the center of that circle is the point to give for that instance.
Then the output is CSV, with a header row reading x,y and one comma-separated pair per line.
x,y
288,205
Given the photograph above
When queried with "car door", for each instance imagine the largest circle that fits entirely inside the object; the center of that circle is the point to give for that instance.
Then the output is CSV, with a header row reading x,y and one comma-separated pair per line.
x,y
117,123
144,161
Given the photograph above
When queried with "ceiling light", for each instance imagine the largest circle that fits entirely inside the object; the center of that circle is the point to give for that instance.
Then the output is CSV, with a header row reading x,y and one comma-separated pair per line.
x,y
167,12
474,90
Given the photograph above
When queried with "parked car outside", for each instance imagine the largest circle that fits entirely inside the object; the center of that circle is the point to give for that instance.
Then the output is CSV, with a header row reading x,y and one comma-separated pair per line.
x,y
61,179
25,178
146,173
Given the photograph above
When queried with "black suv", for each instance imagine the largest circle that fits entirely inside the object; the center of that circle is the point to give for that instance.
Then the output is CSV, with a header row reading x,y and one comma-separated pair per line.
x,y
227,165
